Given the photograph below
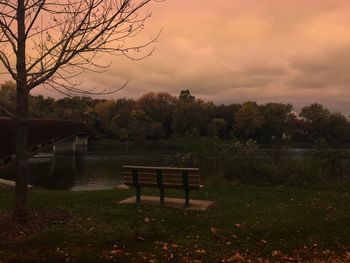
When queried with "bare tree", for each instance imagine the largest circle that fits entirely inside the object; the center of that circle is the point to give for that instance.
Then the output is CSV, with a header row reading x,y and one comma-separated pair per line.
x,y
49,42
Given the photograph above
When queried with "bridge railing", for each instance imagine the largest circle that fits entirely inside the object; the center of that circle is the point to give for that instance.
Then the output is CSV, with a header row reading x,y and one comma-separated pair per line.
x,y
40,131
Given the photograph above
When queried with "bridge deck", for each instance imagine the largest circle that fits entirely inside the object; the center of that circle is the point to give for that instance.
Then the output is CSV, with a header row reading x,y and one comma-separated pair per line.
x,y
42,133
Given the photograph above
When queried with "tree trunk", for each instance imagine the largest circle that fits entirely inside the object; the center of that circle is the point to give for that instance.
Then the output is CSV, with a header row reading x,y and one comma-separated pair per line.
x,y
21,117
21,156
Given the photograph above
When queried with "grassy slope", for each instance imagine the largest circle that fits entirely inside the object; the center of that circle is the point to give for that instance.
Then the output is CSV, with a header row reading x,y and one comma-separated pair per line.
x,y
282,219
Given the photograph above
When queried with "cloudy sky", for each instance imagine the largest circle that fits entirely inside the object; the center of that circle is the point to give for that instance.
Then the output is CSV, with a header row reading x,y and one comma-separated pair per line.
x,y
236,50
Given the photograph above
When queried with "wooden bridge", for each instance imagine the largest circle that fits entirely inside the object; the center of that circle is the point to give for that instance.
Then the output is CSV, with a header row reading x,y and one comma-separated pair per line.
x,y
42,134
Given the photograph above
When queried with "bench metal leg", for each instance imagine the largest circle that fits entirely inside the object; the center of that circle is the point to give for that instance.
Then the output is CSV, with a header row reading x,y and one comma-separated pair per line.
x,y
187,198
161,190
138,194
186,188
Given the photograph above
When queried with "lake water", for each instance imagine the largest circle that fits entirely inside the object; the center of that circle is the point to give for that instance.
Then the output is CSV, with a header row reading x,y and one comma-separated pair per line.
x,y
100,167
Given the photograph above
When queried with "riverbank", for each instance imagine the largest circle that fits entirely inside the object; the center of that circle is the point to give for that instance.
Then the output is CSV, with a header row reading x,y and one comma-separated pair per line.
x,y
172,145
247,222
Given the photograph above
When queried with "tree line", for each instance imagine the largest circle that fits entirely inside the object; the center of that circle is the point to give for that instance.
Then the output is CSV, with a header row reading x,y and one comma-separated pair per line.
x,y
156,116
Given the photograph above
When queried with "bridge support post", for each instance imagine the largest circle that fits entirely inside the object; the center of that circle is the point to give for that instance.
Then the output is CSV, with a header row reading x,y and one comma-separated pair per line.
x,y
64,147
81,143
76,144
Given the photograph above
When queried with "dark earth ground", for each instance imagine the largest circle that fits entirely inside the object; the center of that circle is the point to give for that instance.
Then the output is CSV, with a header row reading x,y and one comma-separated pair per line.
x,y
38,220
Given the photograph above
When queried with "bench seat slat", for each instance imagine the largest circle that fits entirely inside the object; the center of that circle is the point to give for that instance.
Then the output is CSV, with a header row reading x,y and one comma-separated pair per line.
x,y
165,176
170,186
140,168
165,181
154,173
163,172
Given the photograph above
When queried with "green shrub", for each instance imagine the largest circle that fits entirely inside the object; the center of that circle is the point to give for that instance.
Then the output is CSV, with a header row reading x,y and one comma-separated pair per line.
x,y
241,162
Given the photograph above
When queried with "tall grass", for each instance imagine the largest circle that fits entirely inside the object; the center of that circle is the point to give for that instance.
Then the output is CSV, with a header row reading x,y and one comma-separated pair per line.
x,y
242,162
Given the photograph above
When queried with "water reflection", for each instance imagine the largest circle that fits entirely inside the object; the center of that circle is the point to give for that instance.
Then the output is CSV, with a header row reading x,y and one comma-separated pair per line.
x,y
97,169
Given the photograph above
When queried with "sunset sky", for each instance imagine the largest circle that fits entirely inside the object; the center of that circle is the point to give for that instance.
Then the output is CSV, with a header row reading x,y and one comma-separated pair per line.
x,y
236,50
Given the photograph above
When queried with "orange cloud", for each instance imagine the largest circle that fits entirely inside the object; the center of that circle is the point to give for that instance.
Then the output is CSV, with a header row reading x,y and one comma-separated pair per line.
x,y
236,50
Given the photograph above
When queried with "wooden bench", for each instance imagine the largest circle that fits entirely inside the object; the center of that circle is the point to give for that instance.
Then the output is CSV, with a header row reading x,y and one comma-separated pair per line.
x,y
162,178
10,184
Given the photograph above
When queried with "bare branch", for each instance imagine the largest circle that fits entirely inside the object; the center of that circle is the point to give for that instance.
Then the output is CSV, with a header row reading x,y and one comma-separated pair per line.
x,y
63,38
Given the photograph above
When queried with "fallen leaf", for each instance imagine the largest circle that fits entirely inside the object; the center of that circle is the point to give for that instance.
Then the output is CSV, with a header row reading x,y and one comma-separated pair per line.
x,y
213,230
140,238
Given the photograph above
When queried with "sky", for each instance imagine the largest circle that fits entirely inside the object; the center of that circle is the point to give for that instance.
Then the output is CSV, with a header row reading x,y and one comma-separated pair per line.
x,y
229,51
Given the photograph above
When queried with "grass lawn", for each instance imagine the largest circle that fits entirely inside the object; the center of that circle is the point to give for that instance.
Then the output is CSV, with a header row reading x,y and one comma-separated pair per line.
x,y
275,223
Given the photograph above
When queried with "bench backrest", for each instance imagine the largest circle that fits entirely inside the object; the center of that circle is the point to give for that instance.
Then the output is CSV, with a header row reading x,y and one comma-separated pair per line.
x,y
162,177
